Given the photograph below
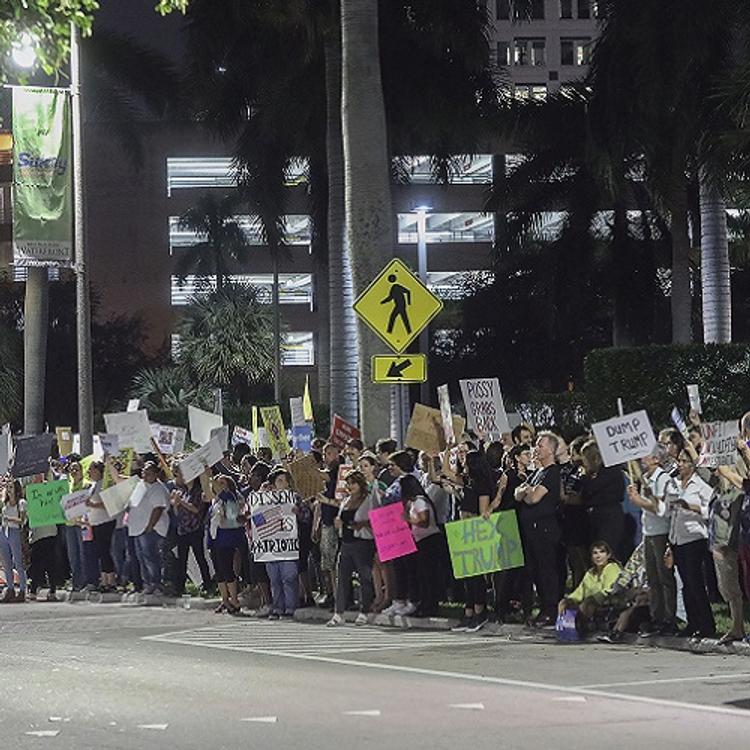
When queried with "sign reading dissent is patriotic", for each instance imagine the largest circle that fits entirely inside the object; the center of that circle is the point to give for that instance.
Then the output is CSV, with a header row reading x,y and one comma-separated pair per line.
x,y
274,526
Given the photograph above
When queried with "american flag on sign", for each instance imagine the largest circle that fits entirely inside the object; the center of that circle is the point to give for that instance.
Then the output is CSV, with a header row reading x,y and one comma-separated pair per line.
x,y
268,522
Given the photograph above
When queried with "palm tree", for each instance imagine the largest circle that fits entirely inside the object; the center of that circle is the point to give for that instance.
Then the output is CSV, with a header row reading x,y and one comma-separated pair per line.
x,y
222,240
227,340
167,387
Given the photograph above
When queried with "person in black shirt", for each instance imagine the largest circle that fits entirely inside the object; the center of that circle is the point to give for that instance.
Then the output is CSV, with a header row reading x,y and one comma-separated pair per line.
x,y
537,511
329,539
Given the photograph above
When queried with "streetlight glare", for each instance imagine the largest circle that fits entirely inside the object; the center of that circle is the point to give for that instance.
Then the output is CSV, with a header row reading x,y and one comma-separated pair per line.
x,y
23,53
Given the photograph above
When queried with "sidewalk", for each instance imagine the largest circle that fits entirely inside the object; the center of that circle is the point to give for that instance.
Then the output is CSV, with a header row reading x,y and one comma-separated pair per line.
x,y
522,633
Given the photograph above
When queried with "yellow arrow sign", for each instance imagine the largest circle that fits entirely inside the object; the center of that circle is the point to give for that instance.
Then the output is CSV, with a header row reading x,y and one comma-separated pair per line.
x,y
411,368
397,305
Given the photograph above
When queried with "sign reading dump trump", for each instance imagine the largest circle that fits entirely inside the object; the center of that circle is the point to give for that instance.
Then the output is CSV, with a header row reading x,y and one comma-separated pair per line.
x,y
625,438
479,545
274,526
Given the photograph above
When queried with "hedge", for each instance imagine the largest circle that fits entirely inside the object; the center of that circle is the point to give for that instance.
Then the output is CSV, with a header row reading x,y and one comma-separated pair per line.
x,y
654,378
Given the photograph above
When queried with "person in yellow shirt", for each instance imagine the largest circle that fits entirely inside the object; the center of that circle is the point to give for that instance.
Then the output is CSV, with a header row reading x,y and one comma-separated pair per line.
x,y
595,590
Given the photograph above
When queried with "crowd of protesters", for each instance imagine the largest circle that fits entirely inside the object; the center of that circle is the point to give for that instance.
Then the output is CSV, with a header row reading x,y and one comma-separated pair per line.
x,y
647,549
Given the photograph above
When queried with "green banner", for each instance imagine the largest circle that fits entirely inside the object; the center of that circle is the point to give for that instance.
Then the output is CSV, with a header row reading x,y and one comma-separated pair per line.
x,y
479,546
43,503
42,177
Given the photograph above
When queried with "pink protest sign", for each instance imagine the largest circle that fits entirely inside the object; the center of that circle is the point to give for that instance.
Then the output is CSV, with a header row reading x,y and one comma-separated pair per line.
x,y
392,534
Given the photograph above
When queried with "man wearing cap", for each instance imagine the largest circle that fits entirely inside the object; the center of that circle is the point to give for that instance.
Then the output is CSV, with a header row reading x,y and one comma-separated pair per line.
x,y
148,524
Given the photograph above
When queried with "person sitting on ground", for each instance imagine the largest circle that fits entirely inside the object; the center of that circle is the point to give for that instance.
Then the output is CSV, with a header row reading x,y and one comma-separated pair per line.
x,y
595,590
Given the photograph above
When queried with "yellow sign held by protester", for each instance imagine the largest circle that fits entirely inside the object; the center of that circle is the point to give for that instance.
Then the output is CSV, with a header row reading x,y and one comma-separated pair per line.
x,y
275,431
410,368
397,305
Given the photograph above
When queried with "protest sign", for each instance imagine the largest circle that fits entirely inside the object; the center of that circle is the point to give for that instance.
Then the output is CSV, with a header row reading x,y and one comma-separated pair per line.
x,y
393,537
74,504
64,437
307,408
6,449
134,404
201,423
425,432
678,421
302,438
342,432
446,414
274,526
485,410
275,430
297,411
624,438
204,458
117,497
694,397
241,435
222,435
340,493
307,478
32,455
719,444
132,429
478,545
169,440
43,503
514,420
110,443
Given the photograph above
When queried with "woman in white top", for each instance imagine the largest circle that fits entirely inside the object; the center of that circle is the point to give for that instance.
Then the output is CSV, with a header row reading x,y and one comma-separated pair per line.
x,y
103,527
13,518
689,497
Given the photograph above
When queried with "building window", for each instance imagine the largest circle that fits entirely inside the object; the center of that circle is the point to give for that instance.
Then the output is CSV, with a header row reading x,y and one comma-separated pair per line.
x,y
466,226
529,52
503,53
530,92
584,9
298,350
575,9
294,289
575,51
537,10
566,8
472,169
503,10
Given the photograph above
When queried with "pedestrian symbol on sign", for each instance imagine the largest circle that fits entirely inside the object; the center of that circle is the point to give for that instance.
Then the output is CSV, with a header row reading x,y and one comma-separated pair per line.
x,y
400,296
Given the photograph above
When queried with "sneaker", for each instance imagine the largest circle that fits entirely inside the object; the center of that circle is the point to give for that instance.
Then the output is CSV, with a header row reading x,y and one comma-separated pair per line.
x,y
31,596
52,597
477,623
668,629
463,624
335,621
615,636
263,611
648,630
361,619
274,616
407,609
394,608
9,596
20,597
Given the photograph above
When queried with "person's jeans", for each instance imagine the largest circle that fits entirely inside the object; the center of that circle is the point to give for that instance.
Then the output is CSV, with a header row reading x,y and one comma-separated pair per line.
x,y
661,583
74,546
148,550
132,567
284,585
16,557
6,559
120,552
186,542
689,560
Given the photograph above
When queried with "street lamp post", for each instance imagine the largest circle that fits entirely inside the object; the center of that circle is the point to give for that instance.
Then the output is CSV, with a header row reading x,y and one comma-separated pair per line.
x,y
424,337
83,301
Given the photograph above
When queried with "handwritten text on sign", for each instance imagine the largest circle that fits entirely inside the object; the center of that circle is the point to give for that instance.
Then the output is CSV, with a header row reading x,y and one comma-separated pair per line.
x,y
393,537
719,443
479,545
485,411
274,526
625,438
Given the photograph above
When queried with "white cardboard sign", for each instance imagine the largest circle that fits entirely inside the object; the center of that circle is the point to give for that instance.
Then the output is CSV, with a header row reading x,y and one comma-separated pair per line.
x,y
625,438
446,413
694,397
485,410
132,429
297,411
74,504
117,497
198,461
201,424
719,444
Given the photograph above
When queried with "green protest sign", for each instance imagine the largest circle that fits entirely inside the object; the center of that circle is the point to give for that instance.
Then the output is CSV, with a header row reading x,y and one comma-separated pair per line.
x,y
479,545
43,503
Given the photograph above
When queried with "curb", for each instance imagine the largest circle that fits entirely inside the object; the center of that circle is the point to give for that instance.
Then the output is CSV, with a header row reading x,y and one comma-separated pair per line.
x,y
313,614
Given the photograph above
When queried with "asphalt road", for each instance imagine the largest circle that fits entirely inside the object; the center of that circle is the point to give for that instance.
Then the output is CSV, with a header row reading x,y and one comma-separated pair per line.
x,y
79,676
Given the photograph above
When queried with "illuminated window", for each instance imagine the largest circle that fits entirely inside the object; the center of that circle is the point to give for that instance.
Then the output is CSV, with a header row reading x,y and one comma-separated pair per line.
x,y
575,51
298,350
294,289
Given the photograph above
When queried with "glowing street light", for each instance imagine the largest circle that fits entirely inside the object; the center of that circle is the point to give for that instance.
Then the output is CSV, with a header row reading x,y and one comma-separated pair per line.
x,y
23,52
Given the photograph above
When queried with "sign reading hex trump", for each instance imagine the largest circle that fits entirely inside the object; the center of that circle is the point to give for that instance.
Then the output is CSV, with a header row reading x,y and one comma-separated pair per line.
x,y
479,545
625,438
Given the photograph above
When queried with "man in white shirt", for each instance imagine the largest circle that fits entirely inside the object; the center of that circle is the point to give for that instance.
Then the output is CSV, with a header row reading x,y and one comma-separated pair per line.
x,y
656,521
148,524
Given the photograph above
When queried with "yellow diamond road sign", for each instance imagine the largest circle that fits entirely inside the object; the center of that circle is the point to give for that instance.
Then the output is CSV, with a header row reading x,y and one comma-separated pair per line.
x,y
397,305
410,368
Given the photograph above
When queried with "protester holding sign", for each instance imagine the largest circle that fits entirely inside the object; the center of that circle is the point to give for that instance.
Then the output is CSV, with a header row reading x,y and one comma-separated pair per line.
x,y
73,534
357,548
103,527
13,519
689,497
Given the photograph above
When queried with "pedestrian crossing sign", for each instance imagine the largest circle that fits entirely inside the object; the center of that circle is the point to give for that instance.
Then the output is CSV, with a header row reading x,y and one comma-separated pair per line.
x,y
397,305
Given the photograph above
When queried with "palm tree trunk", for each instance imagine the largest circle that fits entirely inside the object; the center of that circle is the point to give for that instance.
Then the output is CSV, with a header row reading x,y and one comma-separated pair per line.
x,y
682,332
369,213
715,279
342,320
322,307
276,330
35,325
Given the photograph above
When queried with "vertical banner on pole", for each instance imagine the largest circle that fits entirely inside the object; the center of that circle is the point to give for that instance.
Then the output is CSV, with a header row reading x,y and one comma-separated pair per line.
x,y
42,184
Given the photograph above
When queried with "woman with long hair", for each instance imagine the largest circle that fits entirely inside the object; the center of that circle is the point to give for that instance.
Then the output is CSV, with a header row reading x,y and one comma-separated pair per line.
x,y
13,516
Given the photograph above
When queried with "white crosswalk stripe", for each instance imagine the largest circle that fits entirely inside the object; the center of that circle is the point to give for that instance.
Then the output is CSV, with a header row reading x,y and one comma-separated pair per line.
x,y
263,637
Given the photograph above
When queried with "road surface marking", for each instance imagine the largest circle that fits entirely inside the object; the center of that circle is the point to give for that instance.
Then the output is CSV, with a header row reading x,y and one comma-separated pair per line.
x,y
570,699
668,680
153,726
262,719
468,706
366,712
44,733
